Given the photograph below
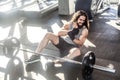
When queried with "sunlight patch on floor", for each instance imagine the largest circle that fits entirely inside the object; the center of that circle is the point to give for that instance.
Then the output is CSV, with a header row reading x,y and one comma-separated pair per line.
x,y
60,75
35,34
37,76
4,32
55,28
113,24
88,44
4,61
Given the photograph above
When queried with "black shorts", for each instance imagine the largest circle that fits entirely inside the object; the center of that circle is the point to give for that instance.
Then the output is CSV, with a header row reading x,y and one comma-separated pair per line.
x,y
64,47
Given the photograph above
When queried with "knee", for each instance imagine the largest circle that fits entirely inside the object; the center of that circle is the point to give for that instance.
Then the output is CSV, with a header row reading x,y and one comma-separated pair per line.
x,y
48,35
77,52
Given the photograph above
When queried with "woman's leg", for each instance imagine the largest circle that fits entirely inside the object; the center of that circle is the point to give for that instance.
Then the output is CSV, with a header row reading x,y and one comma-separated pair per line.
x,y
48,37
73,52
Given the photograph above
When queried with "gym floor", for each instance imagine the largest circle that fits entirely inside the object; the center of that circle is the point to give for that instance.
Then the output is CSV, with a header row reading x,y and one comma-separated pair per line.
x,y
30,27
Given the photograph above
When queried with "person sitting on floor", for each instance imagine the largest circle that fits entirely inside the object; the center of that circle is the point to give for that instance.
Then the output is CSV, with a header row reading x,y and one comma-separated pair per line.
x,y
69,39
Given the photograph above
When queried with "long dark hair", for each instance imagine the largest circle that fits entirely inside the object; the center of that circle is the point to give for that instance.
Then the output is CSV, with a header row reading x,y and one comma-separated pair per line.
x,y
78,14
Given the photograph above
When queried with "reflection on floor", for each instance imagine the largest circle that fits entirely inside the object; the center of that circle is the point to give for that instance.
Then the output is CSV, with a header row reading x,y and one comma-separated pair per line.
x,y
103,39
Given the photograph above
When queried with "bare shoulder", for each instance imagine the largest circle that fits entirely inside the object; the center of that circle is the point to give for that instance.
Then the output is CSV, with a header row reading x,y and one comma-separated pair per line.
x,y
85,32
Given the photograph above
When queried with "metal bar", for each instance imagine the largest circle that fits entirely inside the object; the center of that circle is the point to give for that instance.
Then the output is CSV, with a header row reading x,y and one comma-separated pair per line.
x,y
106,69
46,55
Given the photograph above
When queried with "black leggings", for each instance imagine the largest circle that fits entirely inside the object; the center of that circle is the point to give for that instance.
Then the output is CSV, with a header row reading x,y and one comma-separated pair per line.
x,y
64,47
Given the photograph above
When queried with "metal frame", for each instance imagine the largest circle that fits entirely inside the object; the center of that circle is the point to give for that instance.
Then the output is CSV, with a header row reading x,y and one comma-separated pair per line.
x,y
48,8
99,6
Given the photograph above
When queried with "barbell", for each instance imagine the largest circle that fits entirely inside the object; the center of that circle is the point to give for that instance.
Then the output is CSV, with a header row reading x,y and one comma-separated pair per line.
x,y
88,55
88,61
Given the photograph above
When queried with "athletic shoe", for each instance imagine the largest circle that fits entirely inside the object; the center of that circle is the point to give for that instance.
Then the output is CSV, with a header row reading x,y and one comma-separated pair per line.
x,y
32,58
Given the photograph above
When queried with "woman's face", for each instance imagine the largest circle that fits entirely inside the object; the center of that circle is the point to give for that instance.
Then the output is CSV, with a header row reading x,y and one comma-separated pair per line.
x,y
81,20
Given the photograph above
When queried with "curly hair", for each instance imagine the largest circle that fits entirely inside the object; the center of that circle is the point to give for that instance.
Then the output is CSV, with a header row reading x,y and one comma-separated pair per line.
x,y
78,14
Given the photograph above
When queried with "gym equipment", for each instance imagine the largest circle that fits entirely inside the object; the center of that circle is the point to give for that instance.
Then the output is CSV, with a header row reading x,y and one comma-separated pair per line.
x,y
70,61
119,10
66,7
11,46
99,6
118,13
92,7
88,62
84,5
14,43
